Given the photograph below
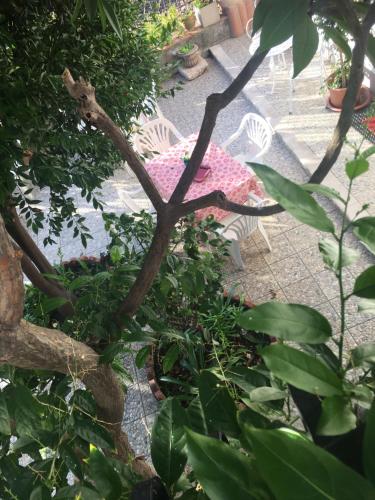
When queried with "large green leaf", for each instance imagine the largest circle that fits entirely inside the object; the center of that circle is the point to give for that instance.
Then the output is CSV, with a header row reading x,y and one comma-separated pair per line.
x,y
364,285
366,306
369,445
305,44
293,198
196,418
323,190
262,394
338,38
92,432
260,14
364,229
288,322
281,21
330,252
356,167
295,469
246,378
224,473
301,370
336,418
4,416
218,406
363,354
168,441
107,481
27,411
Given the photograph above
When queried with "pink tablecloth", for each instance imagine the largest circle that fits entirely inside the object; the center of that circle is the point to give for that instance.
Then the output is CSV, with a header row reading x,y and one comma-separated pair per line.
x,y
227,175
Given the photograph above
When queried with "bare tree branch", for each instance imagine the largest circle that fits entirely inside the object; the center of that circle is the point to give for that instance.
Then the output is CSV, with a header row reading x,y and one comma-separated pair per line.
x,y
215,103
91,112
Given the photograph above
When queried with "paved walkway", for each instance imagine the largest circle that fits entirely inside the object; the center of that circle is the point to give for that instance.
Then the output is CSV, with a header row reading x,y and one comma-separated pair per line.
x,y
293,271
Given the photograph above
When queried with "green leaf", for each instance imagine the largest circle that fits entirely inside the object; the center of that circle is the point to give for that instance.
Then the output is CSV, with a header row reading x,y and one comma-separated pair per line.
x,y
76,11
51,303
223,472
112,18
330,252
28,411
168,441
218,406
281,21
288,322
368,152
366,306
336,418
71,460
260,14
91,7
262,394
364,229
301,370
338,38
170,357
363,354
40,493
195,417
293,198
246,378
141,357
84,401
107,480
323,190
295,469
305,44
4,416
76,492
357,167
369,445
364,285
93,433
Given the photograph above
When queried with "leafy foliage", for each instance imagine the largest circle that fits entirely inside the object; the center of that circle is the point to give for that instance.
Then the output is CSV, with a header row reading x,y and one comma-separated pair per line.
x,y
43,141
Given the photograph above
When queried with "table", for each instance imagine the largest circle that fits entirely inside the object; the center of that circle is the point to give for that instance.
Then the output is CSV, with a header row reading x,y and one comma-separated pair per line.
x,y
227,175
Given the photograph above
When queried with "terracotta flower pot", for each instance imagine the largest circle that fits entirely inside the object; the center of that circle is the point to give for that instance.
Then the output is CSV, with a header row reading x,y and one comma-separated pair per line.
x,y
190,58
336,95
189,22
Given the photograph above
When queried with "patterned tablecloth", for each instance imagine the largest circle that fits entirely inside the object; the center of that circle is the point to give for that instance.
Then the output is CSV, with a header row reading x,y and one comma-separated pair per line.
x,y
227,175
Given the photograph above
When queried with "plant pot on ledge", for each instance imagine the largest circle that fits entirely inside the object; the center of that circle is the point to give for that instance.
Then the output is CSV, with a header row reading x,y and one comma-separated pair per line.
x,y
207,12
189,21
189,53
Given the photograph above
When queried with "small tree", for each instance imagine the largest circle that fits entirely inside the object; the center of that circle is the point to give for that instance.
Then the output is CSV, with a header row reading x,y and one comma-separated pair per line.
x,y
27,346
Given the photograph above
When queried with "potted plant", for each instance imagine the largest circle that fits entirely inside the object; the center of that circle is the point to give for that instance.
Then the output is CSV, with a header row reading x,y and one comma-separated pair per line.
x,y
189,53
337,84
189,19
207,12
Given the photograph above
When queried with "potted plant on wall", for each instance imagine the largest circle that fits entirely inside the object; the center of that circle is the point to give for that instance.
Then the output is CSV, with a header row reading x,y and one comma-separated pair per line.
x,y
189,53
207,12
337,85
189,19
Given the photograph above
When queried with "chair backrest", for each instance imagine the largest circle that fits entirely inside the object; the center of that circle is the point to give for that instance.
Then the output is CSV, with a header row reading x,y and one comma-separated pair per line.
x,y
240,227
258,131
155,136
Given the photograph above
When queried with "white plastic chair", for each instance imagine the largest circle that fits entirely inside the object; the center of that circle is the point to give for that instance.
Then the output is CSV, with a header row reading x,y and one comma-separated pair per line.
x,y
259,133
155,136
276,55
240,227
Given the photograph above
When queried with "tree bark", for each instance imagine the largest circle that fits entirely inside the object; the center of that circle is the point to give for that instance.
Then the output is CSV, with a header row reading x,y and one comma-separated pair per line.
x,y
32,347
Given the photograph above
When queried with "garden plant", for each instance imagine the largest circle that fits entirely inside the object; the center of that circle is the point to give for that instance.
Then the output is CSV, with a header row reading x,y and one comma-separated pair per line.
x,y
62,402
